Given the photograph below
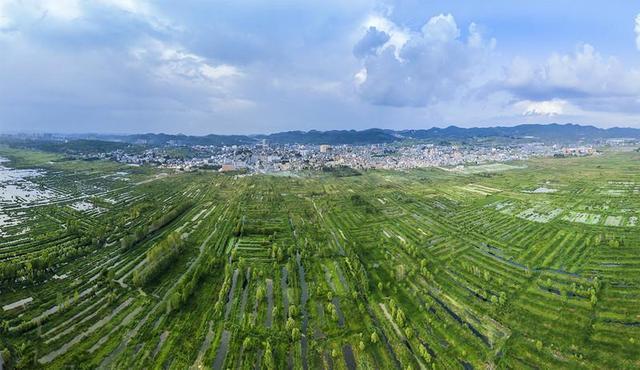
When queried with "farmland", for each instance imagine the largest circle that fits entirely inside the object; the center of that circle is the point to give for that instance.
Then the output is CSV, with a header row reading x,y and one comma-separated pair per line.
x,y
533,264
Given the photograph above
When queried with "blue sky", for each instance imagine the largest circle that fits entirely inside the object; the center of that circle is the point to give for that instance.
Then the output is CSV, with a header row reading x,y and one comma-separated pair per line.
x,y
248,66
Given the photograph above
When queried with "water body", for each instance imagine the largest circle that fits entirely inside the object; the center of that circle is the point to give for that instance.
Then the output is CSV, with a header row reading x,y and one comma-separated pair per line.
x,y
16,189
343,281
336,304
245,293
384,338
16,186
234,280
349,359
163,338
221,354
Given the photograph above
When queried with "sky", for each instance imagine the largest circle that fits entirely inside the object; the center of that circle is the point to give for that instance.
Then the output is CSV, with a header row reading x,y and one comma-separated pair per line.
x,y
249,66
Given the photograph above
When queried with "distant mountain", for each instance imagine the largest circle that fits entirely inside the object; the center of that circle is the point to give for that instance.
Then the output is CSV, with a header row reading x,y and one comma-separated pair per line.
x,y
313,137
167,139
548,133
552,131
71,146
555,132
335,137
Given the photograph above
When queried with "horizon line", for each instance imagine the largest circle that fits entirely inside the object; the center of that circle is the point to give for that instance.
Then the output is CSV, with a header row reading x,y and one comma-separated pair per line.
x,y
316,130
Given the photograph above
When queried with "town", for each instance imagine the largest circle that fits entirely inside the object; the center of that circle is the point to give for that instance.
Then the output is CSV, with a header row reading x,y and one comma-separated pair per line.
x,y
266,158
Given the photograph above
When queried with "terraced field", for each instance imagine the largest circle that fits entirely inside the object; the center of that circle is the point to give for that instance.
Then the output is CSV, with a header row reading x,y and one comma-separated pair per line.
x,y
530,265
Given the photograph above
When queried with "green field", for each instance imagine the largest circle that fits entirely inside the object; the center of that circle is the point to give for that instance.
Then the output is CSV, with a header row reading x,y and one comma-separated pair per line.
x,y
527,265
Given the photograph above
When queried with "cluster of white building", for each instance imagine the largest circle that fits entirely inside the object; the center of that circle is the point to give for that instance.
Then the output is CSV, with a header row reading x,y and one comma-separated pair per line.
x,y
264,158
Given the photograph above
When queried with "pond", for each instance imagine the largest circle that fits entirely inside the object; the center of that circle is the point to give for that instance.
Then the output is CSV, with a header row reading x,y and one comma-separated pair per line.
x,y
16,186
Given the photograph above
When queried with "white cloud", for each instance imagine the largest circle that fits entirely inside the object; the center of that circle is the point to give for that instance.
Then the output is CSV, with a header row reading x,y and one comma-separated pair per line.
x,y
361,76
637,29
170,62
578,76
5,20
549,108
65,10
221,71
18,13
131,6
14,11
418,68
441,28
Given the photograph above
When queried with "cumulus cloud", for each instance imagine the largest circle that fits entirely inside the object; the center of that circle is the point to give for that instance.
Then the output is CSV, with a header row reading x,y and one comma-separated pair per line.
x,y
585,78
416,68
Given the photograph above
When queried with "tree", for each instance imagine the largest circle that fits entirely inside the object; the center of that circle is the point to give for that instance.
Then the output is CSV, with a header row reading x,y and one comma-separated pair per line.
x,y
291,323
374,337
295,334
503,298
400,317
408,331
279,254
247,343
60,300
425,354
6,356
260,293
293,311
268,357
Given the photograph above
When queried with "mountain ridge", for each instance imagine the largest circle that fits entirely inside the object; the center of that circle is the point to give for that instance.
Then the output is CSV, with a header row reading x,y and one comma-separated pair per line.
x,y
547,132
379,136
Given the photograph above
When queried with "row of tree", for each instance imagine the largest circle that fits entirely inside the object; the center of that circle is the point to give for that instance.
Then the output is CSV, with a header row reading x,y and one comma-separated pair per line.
x,y
158,258
142,232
